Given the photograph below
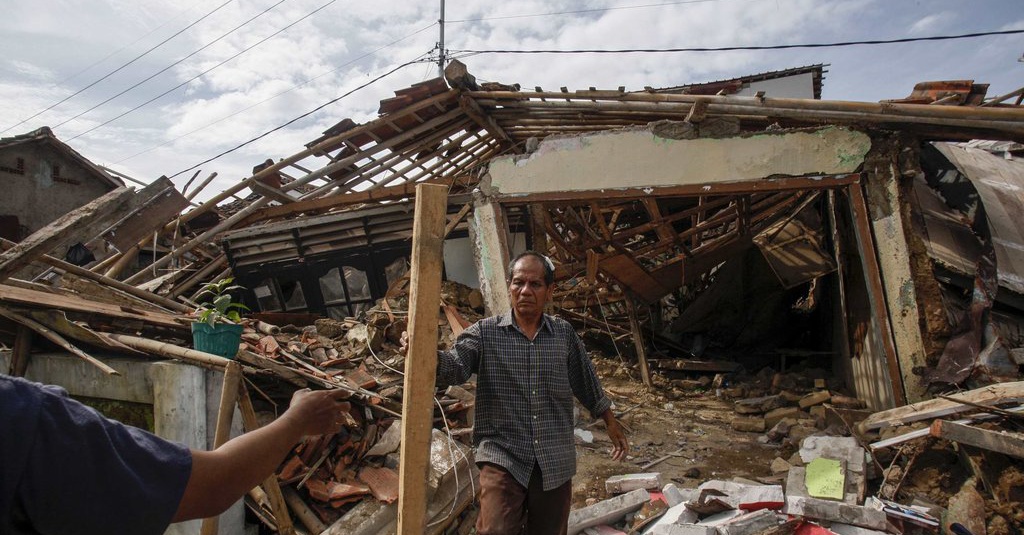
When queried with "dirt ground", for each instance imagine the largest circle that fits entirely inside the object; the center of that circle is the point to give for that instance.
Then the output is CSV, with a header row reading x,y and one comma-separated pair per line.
x,y
694,429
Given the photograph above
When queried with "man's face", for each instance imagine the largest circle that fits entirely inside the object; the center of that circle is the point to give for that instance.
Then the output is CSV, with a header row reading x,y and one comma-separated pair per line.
x,y
527,288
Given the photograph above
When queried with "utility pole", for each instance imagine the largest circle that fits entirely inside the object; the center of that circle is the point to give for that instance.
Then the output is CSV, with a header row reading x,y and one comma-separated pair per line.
x,y
440,44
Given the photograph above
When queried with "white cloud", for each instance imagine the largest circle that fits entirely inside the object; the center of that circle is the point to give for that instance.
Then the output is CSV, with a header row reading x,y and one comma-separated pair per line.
x,y
932,23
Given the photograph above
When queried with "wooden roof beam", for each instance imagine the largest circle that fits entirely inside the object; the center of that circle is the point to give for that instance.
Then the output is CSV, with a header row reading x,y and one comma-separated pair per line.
x,y
475,112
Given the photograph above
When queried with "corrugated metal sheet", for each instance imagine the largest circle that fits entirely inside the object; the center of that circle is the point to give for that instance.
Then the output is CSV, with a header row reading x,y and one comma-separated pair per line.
x,y
1000,183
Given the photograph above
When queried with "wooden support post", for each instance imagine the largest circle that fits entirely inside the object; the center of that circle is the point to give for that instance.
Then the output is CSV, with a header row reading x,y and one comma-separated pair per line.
x,y
638,341
270,485
228,399
22,351
876,293
421,362
49,237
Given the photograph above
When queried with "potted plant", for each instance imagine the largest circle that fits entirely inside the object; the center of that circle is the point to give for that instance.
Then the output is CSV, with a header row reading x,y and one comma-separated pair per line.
x,y
217,329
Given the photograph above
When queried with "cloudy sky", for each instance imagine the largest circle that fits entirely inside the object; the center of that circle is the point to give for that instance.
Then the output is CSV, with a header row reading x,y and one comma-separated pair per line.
x,y
152,87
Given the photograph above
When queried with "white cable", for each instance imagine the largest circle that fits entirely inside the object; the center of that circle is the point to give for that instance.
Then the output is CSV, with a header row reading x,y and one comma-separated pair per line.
x,y
451,443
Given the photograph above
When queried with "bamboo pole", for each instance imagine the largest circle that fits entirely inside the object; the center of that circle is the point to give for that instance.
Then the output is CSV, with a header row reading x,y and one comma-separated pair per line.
x,y
52,336
202,185
320,148
199,275
202,238
516,99
191,356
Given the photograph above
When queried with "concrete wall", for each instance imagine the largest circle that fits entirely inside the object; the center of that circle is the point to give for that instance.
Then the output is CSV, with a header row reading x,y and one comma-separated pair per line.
x,y
184,398
35,196
639,158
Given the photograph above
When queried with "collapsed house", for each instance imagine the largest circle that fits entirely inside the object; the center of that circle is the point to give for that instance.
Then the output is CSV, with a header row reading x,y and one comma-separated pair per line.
x,y
693,230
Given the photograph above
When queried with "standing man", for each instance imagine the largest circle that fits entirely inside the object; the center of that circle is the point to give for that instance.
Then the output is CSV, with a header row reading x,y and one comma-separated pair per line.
x,y
529,366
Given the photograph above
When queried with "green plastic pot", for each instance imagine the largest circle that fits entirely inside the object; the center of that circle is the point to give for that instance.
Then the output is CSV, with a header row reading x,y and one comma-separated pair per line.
x,y
222,339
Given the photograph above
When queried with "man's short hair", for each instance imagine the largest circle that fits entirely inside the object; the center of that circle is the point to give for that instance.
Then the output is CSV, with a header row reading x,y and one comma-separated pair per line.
x,y
549,267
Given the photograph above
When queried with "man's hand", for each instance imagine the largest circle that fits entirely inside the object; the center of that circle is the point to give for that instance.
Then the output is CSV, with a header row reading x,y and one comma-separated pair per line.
x,y
316,412
620,446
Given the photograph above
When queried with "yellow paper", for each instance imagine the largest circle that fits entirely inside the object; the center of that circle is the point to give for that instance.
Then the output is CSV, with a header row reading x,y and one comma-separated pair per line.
x,y
826,478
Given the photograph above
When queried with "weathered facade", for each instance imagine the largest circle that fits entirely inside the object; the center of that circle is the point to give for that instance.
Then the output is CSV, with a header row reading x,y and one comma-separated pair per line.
x,y
44,179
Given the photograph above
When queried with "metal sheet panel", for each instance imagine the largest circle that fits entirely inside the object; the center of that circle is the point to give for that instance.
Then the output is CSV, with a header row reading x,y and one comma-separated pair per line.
x,y
1000,183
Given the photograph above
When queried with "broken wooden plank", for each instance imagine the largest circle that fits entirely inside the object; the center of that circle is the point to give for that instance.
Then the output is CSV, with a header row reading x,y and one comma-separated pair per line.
x,y
49,237
36,298
938,408
421,363
919,433
1011,444
146,212
133,291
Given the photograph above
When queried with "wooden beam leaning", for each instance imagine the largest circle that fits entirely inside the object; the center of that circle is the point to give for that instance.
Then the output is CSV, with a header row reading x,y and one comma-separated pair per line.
x,y
638,342
49,237
225,412
876,293
421,362
22,351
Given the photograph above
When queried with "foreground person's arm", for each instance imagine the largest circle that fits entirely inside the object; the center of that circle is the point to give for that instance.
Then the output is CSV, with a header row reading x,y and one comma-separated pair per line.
x,y
221,477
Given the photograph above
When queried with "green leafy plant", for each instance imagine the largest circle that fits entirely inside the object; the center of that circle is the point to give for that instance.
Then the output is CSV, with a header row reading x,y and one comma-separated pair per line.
x,y
218,305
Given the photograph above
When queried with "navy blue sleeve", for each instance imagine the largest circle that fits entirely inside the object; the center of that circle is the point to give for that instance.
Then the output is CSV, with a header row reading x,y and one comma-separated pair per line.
x,y
90,475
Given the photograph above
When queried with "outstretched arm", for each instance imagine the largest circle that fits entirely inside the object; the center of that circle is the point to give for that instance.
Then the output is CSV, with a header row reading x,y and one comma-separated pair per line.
x,y
221,477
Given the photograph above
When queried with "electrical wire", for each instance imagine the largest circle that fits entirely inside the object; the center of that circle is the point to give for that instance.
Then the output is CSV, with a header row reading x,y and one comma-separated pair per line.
x,y
111,73
291,121
196,77
578,11
123,48
294,87
451,444
464,53
169,67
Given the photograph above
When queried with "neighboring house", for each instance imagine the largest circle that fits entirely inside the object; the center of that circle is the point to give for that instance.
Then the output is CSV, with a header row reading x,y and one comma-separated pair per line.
x,y
798,82
43,179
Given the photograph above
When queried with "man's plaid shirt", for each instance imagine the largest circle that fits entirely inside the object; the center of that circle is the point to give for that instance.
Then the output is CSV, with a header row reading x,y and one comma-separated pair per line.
x,y
524,394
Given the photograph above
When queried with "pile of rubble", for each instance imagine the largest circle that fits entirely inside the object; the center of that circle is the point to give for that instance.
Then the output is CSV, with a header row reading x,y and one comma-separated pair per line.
x,y
909,478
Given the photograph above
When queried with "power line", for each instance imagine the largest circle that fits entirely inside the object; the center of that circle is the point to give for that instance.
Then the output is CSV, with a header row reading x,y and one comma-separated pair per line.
x,y
292,88
123,48
172,65
737,48
111,73
578,11
186,82
300,117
